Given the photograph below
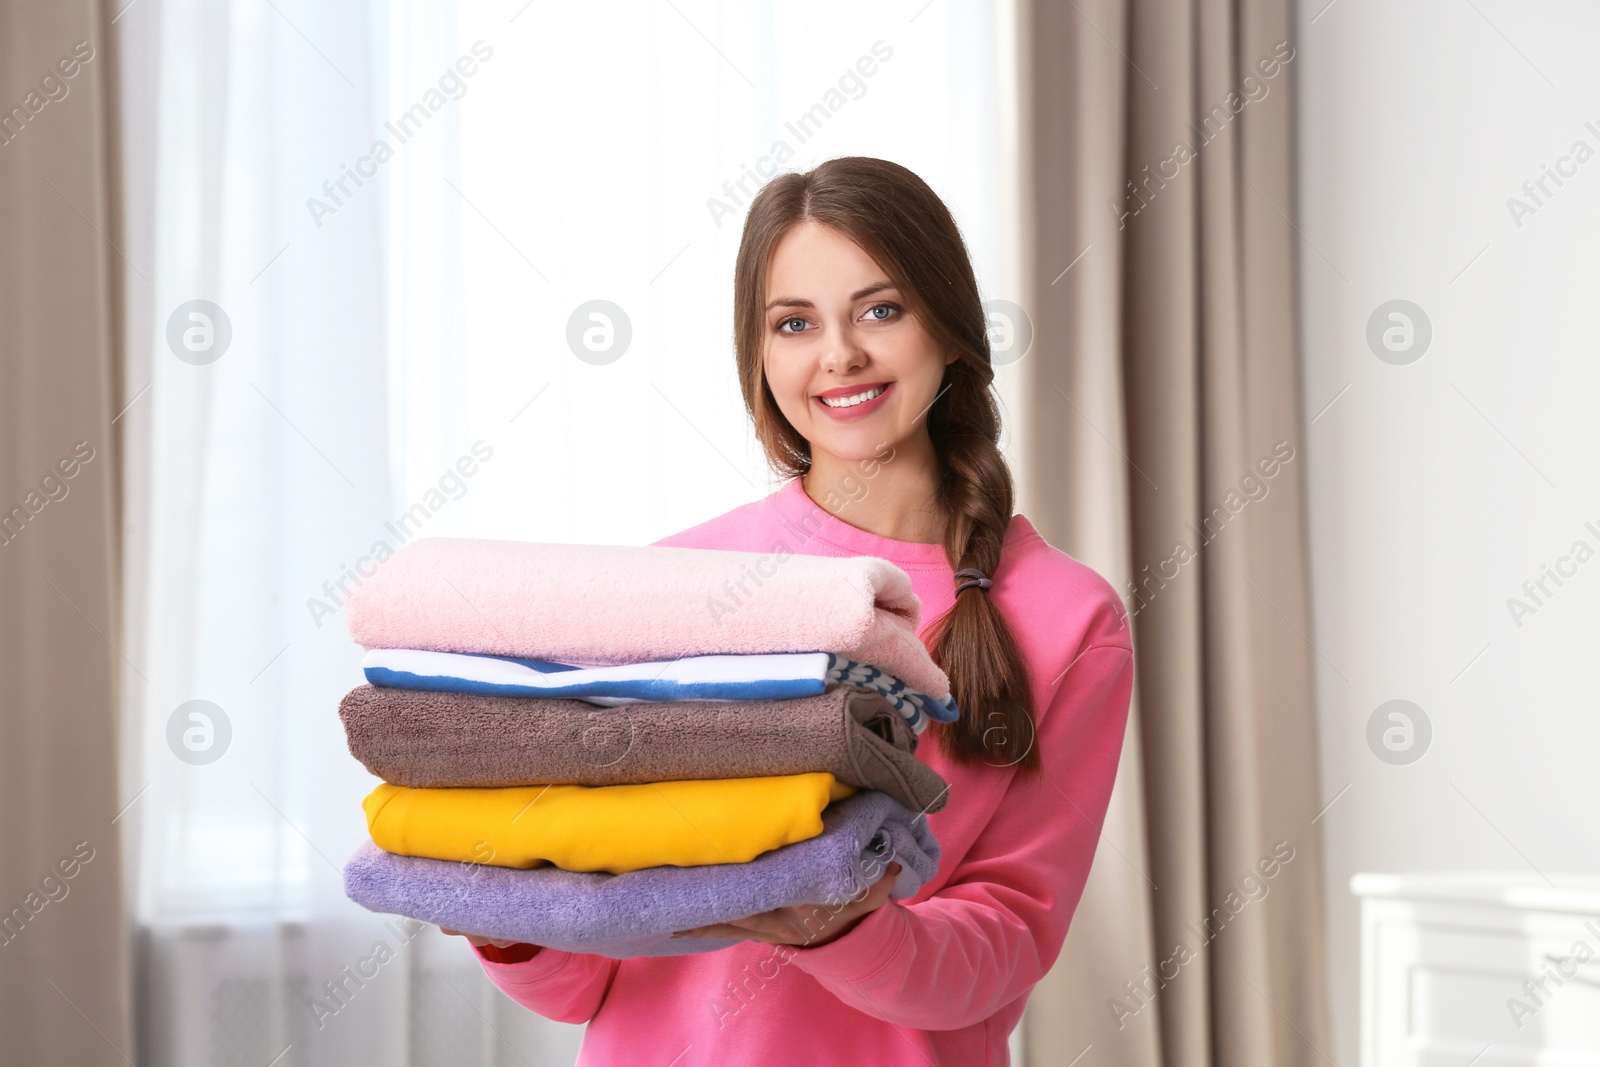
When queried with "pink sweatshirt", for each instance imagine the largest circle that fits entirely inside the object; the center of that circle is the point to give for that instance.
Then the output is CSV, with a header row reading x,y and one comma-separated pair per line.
x,y
941,977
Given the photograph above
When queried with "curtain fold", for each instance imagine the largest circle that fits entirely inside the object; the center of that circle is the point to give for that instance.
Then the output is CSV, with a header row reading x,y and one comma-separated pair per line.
x,y
1164,450
258,458
63,955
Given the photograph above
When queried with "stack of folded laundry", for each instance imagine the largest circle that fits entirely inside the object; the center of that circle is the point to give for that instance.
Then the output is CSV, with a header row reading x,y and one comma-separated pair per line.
x,y
592,747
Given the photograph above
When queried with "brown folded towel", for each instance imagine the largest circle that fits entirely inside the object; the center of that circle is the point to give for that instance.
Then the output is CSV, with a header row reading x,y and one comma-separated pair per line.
x,y
412,737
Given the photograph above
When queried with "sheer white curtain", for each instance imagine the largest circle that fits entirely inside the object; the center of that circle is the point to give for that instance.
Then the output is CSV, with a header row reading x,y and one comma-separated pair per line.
x,y
609,154
397,213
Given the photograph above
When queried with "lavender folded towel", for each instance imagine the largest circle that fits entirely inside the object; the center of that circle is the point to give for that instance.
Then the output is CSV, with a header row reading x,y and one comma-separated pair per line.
x,y
634,914
425,739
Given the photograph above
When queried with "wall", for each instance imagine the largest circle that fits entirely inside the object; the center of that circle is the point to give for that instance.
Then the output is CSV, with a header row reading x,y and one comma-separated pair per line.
x,y
1439,484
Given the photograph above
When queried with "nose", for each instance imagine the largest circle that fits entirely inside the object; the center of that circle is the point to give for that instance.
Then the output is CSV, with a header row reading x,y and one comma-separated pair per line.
x,y
844,354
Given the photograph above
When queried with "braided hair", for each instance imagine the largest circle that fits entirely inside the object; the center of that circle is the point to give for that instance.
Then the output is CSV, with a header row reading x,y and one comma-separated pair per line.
x,y
909,232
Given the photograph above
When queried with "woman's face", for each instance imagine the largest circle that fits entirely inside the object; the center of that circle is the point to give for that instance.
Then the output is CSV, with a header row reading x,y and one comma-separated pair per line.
x,y
837,330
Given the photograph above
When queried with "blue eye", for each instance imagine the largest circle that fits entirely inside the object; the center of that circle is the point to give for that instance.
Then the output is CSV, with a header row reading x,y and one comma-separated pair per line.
x,y
786,322
882,307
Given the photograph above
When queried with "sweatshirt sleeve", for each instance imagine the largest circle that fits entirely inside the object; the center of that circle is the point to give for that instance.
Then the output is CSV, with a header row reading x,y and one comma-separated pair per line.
x,y
996,928
568,987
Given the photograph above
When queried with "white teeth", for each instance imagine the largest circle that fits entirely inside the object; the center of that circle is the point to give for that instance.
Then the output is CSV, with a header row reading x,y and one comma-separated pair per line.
x,y
852,401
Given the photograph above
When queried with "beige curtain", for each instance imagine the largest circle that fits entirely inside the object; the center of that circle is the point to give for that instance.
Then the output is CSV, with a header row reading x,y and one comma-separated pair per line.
x,y
64,990
1163,447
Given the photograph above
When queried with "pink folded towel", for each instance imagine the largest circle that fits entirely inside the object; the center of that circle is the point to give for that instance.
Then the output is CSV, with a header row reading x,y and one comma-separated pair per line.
x,y
605,604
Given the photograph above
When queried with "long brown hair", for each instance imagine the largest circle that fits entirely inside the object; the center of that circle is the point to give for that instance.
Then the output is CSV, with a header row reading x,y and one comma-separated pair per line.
x,y
907,230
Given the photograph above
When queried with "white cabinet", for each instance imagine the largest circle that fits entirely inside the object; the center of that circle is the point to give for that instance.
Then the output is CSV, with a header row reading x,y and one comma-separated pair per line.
x,y
1495,970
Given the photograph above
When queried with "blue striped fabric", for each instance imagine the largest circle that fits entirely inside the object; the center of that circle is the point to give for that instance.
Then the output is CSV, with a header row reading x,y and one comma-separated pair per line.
x,y
774,676
630,691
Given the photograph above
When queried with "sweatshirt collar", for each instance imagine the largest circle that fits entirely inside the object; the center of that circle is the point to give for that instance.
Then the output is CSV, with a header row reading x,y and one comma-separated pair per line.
x,y
811,522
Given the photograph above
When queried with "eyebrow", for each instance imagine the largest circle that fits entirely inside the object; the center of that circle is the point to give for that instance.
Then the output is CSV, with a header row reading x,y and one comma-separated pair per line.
x,y
796,302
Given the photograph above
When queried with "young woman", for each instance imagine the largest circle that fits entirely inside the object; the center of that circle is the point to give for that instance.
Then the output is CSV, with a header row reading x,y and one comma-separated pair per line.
x,y
863,356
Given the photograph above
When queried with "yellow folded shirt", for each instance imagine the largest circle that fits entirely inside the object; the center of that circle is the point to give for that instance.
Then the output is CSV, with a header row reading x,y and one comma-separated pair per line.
x,y
612,828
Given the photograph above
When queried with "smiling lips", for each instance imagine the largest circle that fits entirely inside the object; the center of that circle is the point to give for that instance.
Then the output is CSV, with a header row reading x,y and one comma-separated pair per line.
x,y
852,402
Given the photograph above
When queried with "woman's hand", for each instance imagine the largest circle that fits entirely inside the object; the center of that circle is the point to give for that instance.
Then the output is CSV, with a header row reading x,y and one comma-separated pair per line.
x,y
480,941
788,926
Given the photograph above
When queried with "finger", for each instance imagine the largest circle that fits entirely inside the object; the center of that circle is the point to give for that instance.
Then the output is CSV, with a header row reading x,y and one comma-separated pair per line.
x,y
880,890
727,930
478,941
752,924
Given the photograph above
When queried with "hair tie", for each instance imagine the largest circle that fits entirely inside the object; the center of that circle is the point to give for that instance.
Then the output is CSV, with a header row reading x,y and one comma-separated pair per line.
x,y
974,577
